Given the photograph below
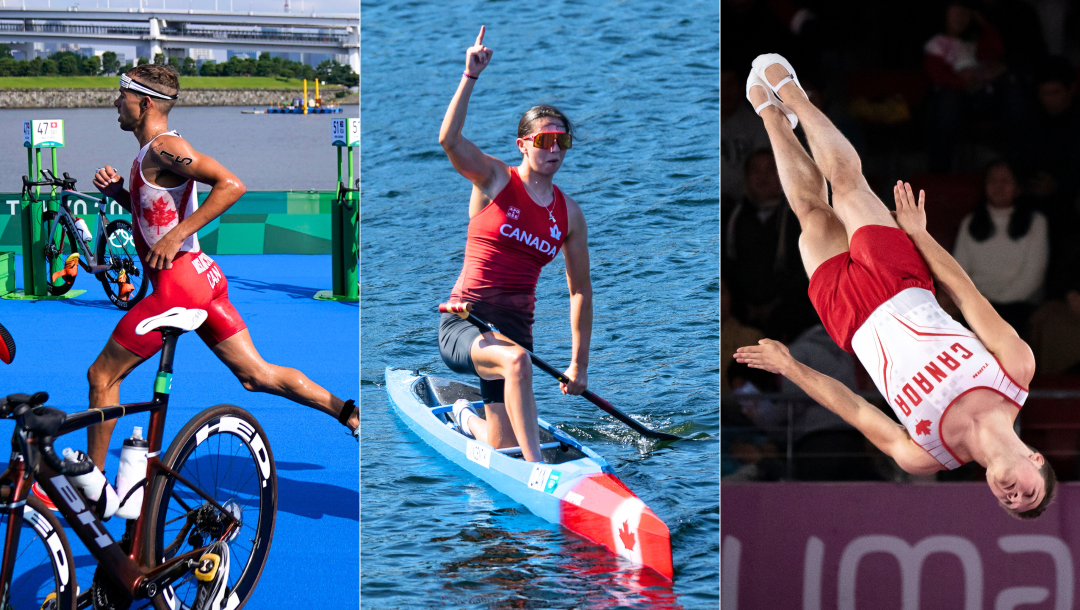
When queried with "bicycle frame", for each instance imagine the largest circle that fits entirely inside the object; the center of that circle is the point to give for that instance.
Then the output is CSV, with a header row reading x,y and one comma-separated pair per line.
x,y
87,260
129,570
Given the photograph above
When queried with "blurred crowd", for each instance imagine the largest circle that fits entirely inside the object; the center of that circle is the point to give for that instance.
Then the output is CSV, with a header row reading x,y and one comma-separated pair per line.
x,y
973,101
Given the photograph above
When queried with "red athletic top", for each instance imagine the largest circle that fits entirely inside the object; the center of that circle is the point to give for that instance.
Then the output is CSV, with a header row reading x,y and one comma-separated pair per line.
x,y
509,241
155,210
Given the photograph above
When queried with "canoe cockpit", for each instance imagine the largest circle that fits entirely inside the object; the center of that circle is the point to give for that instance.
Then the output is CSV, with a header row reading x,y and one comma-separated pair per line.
x,y
440,392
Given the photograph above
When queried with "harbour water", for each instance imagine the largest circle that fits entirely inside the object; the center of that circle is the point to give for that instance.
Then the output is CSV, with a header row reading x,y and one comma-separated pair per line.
x,y
640,79
267,152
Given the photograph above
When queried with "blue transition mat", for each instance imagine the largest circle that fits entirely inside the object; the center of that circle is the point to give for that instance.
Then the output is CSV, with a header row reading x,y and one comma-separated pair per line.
x,y
314,558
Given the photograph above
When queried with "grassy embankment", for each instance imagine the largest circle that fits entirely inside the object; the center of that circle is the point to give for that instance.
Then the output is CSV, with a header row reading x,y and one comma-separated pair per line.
x,y
186,82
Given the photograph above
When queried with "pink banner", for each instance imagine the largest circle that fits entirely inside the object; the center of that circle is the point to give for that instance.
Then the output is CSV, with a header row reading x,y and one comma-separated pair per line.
x,y
885,546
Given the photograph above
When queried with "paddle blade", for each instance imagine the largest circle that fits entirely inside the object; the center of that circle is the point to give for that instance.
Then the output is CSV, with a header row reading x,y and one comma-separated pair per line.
x,y
626,419
7,346
461,310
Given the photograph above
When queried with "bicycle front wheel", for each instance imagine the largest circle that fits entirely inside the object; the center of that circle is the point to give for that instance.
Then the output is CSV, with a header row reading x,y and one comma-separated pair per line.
x,y
61,253
224,452
44,574
124,281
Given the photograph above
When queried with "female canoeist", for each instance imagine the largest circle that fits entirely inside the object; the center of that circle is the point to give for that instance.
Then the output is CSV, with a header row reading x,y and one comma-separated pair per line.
x,y
518,223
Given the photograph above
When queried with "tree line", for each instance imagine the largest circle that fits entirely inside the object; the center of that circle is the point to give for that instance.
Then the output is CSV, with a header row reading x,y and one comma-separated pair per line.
x,y
68,63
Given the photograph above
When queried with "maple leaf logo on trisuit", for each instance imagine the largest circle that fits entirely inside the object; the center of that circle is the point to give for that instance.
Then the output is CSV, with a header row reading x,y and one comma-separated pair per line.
x,y
627,536
923,427
159,214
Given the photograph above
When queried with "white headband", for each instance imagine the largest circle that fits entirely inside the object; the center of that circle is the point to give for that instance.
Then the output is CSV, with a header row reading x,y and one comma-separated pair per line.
x,y
127,83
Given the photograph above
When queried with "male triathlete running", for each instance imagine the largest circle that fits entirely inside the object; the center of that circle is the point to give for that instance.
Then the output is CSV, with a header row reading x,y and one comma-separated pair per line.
x,y
870,281
165,217
518,222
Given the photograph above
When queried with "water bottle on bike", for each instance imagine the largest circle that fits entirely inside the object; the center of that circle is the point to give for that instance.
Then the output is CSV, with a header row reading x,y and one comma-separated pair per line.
x,y
132,471
84,231
93,485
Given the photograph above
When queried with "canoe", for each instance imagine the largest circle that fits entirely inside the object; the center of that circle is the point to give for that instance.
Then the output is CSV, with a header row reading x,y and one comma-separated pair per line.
x,y
573,487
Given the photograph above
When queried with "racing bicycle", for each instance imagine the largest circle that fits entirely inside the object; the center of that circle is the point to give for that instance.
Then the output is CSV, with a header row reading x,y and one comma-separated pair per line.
x,y
216,484
68,245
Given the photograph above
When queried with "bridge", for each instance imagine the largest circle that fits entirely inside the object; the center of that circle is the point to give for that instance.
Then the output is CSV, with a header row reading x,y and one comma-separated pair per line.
x,y
179,33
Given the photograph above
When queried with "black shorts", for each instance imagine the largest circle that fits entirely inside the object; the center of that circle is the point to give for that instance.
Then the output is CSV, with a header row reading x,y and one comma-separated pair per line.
x,y
456,337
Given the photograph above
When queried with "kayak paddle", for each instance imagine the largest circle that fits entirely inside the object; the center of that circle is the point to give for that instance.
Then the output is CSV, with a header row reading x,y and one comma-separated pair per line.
x,y
464,311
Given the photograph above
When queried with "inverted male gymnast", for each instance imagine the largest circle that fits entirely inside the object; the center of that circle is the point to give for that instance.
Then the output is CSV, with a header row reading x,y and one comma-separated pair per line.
x,y
871,282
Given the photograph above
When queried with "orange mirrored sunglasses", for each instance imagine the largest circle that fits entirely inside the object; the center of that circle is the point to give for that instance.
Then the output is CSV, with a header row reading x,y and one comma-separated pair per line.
x,y
548,139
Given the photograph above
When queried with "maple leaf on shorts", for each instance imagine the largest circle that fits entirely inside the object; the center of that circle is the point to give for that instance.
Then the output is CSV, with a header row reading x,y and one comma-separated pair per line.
x,y
923,427
159,214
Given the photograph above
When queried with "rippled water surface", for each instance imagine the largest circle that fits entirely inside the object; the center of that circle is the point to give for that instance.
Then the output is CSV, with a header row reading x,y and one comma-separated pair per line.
x,y
640,79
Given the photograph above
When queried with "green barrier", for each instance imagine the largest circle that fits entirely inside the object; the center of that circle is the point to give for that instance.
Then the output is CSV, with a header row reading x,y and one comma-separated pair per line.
x,y
289,222
345,218
37,135
261,222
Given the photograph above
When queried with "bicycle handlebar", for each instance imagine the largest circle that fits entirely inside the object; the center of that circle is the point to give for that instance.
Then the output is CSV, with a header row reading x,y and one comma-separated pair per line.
x,y
67,183
34,420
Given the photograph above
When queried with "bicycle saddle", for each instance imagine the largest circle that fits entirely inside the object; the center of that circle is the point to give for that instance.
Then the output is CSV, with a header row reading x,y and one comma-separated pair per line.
x,y
177,317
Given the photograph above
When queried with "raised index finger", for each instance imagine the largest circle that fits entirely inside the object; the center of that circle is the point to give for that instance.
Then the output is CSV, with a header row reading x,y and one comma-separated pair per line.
x,y
480,38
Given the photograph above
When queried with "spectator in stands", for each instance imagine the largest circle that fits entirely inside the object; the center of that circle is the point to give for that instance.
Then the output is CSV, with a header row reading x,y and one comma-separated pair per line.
x,y
823,446
965,65
741,133
1052,154
1021,33
826,448
1003,246
1055,335
1055,331
760,258
733,335
1055,20
747,453
1051,159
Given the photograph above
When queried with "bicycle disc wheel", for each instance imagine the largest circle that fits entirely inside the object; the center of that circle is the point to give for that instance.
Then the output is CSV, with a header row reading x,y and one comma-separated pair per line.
x,y
61,254
124,281
223,451
44,566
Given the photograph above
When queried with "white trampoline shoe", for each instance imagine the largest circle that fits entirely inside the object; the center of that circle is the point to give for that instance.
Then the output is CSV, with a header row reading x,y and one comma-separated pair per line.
x,y
770,97
761,62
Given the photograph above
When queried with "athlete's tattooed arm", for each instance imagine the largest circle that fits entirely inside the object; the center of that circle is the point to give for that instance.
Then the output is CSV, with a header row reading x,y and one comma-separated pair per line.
x,y
175,158
225,189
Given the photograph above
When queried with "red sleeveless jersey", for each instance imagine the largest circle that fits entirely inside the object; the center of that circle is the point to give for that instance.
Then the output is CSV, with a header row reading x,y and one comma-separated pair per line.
x,y
155,210
509,241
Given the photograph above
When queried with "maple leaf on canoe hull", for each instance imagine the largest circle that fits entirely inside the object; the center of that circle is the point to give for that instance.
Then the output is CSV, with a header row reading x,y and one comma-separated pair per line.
x,y
159,214
628,538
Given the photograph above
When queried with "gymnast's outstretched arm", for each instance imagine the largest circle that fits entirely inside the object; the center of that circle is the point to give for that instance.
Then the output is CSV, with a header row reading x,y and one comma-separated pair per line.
x,y
996,334
888,436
